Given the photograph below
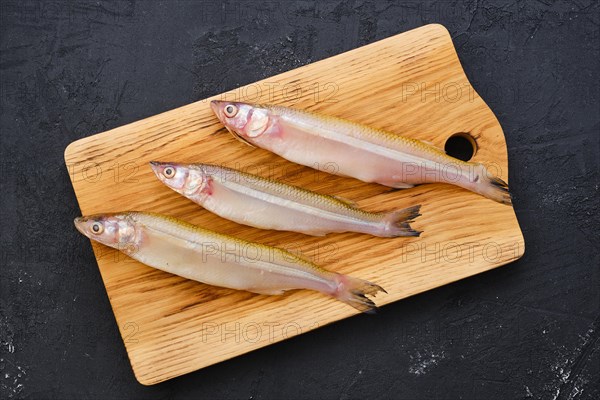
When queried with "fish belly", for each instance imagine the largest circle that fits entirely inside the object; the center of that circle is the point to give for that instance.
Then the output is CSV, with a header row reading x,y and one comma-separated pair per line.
x,y
274,213
234,265
345,159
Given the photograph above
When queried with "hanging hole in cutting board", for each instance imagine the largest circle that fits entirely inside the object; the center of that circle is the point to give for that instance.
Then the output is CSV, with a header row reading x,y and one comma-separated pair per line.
x,y
461,145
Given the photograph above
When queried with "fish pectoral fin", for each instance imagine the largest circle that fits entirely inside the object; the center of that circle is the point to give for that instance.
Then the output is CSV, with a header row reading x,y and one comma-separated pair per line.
x,y
238,137
401,185
313,233
270,292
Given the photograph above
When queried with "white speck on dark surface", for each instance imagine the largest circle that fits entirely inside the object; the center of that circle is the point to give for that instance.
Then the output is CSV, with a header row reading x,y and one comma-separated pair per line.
x,y
424,360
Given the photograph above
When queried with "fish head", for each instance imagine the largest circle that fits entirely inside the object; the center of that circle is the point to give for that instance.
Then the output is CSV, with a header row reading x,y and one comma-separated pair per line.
x,y
184,179
114,230
247,122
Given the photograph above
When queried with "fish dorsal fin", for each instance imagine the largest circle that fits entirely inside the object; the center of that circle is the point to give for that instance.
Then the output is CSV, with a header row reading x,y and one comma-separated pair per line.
x,y
431,144
238,137
346,201
300,255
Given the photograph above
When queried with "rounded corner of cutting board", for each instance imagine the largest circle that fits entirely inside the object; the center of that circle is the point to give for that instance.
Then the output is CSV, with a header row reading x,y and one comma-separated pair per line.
x,y
441,29
70,151
144,379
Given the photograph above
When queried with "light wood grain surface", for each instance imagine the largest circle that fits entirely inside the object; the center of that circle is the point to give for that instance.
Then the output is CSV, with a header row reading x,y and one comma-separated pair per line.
x,y
412,84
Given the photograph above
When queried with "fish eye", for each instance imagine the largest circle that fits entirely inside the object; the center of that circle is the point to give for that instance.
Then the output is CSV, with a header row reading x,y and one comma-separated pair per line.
x,y
97,228
169,172
230,110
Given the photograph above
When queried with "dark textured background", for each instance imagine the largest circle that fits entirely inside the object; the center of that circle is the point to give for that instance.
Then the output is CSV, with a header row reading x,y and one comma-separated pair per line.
x,y
527,330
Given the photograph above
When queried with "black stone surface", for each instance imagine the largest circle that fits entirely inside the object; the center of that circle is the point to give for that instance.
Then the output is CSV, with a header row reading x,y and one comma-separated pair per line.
x,y
527,330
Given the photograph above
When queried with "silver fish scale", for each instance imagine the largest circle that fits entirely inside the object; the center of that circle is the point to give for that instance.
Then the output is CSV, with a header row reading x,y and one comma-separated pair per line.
x,y
227,176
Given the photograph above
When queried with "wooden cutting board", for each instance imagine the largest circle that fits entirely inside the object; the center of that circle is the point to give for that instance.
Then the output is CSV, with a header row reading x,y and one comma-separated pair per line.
x,y
412,84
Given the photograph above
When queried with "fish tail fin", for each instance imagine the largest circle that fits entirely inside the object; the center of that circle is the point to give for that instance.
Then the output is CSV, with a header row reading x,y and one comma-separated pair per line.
x,y
490,186
354,292
397,223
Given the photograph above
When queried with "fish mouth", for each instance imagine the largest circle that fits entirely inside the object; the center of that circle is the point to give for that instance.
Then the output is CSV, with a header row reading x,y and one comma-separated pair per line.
x,y
217,106
156,166
79,224
214,104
